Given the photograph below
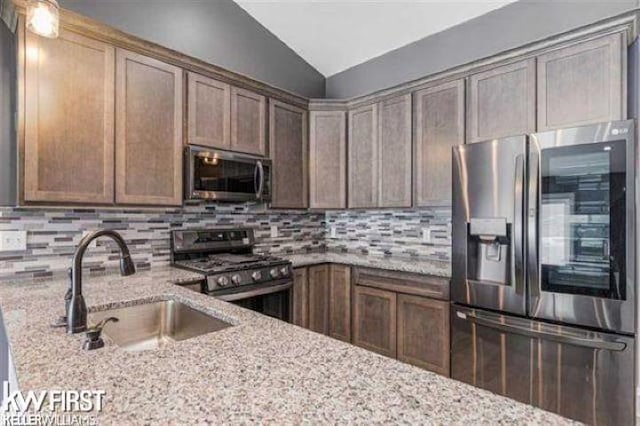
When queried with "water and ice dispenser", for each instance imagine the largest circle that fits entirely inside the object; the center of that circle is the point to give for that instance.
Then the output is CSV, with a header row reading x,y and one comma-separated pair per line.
x,y
489,250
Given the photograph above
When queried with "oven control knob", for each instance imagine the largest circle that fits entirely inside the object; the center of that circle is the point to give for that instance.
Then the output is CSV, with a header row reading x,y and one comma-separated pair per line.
x,y
235,279
284,271
223,281
274,273
257,276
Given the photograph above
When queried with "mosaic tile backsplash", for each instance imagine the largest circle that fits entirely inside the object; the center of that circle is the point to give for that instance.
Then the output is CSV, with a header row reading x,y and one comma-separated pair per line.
x,y
53,233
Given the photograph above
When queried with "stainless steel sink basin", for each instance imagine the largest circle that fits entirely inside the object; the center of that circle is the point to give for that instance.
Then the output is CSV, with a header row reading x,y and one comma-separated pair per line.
x,y
153,325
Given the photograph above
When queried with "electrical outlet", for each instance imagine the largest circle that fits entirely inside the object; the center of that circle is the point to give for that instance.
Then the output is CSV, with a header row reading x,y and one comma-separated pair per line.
x,y
13,240
334,232
274,231
426,235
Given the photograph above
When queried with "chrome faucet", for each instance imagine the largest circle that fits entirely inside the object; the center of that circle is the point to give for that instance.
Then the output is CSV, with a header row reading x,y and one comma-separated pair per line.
x,y
76,307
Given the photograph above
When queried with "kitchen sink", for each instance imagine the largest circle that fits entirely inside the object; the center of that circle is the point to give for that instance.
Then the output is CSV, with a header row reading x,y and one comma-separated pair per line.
x,y
154,325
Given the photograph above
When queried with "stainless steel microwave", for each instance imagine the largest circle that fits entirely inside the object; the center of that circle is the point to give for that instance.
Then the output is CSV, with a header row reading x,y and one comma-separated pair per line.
x,y
226,176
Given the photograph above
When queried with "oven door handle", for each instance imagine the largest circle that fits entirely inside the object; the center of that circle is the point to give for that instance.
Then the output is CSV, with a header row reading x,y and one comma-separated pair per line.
x,y
255,292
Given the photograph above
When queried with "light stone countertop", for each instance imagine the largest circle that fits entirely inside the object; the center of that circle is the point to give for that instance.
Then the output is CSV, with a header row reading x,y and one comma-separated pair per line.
x,y
403,264
261,370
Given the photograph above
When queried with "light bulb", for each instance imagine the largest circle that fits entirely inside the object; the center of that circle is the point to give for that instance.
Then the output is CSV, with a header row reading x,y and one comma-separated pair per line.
x,y
43,17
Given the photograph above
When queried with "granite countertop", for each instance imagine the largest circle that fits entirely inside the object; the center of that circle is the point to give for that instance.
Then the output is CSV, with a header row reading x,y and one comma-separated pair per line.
x,y
260,370
403,264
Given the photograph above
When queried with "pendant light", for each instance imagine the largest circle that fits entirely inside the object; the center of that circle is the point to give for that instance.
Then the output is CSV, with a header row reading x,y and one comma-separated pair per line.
x,y
43,17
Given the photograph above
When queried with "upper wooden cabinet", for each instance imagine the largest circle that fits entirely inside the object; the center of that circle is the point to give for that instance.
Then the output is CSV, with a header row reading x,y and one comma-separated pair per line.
x,y
209,112
148,131
439,126
327,168
288,147
583,83
248,122
502,102
363,157
395,152
340,302
69,120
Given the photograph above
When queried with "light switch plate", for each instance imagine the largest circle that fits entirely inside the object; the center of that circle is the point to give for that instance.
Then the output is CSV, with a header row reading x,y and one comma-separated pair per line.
x,y
334,232
13,240
274,231
426,235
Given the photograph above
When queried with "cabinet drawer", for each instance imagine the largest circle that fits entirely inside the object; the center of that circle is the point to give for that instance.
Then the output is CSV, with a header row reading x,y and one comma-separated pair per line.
x,y
404,282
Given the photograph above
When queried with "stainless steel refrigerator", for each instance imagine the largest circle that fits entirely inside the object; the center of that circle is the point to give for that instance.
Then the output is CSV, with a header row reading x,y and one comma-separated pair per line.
x,y
543,270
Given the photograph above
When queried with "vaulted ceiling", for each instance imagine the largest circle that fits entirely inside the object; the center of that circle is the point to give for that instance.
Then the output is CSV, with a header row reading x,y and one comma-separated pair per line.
x,y
334,35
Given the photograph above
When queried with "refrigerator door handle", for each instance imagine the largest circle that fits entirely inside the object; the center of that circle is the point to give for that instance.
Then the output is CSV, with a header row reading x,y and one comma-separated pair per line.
x,y
532,228
518,235
545,335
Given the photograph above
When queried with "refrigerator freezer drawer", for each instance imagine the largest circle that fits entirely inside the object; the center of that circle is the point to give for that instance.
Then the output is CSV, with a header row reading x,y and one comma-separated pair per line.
x,y
580,374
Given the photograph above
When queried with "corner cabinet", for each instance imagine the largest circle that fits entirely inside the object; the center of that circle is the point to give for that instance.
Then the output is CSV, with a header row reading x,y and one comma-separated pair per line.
x,y
69,119
289,152
502,102
328,154
148,131
363,178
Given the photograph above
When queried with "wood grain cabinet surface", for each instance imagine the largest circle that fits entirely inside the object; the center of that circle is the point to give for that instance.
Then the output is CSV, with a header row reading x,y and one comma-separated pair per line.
x,y
582,83
502,102
374,320
423,333
248,122
395,152
289,152
439,126
328,165
340,302
300,314
69,120
319,299
148,131
363,180
208,112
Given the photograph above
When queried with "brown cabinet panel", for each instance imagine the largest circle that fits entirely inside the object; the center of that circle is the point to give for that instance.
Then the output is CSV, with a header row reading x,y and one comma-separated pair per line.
x,y
327,168
363,157
582,83
209,112
300,314
423,333
340,302
148,131
439,126
502,102
319,299
248,122
395,152
69,119
288,146
374,319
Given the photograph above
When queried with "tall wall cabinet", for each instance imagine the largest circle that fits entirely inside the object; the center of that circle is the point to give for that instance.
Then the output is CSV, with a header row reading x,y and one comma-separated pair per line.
x,y
328,159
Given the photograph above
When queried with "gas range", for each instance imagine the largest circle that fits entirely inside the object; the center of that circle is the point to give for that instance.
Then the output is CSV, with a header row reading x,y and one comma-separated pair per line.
x,y
225,257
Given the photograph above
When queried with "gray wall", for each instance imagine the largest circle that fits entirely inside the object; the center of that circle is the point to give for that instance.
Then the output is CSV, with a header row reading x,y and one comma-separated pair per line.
x,y
511,26
7,106
217,31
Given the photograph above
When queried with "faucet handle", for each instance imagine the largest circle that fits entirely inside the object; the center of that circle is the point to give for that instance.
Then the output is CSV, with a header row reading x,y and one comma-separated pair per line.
x,y
93,338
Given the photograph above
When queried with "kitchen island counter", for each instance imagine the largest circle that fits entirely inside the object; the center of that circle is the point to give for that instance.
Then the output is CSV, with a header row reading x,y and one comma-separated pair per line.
x,y
259,370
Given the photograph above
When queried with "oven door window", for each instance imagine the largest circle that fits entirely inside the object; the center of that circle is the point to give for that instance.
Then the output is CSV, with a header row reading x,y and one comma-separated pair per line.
x,y
582,220
222,175
276,305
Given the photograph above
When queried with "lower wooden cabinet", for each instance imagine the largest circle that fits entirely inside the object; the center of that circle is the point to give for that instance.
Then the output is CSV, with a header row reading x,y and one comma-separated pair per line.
x,y
423,332
319,299
300,312
374,320
340,302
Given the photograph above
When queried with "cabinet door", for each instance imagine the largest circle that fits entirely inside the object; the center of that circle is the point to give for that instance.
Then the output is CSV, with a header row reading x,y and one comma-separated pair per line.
x,y
319,299
288,146
439,118
209,112
395,152
582,84
374,319
423,333
502,102
340,302
327,169
69,119
363,157
300,297
248,122
148,131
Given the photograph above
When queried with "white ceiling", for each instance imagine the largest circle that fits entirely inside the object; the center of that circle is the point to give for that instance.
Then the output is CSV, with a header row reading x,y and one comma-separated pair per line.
x,y
334,35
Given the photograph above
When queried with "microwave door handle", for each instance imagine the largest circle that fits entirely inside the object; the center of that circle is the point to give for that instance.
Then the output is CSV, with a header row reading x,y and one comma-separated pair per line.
x,y
260,172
